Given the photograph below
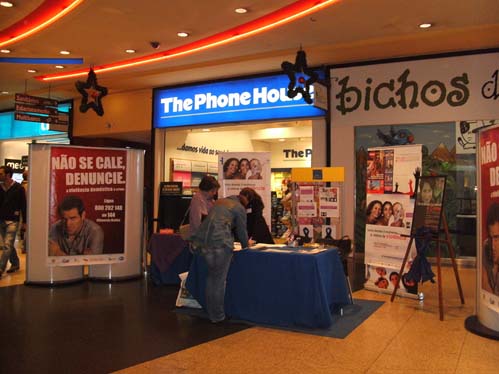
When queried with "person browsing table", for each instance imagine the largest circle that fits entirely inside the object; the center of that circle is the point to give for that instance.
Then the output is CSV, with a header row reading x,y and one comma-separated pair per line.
x,y
215,241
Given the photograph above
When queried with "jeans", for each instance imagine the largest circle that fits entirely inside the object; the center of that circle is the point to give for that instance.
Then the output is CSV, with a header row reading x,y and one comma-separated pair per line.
x,y
218,262
8,232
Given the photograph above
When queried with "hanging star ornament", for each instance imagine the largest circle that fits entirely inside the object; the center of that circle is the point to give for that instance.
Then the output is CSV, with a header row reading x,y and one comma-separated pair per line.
x,y
91,94
300,77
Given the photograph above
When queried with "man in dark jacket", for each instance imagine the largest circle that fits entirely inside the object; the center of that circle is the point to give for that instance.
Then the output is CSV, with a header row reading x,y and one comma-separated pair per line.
x,y
12,209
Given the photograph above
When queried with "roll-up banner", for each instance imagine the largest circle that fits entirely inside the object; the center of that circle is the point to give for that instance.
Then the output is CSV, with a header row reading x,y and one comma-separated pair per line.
x,y
237,170
488,228
389,213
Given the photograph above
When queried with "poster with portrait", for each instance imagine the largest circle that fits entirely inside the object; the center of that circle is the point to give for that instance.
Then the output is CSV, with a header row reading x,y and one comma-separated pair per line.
x,y
389,212
488,227
237,170
428,204
86,206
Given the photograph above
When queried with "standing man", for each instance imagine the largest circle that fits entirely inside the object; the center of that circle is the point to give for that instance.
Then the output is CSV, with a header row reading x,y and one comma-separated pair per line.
x,y
12,209
215,240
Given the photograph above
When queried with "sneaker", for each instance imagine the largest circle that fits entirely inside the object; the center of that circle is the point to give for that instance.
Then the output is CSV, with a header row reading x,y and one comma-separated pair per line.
x,y
13,269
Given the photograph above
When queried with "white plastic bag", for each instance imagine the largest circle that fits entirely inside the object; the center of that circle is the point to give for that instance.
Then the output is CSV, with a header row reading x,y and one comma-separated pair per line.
x,y
184,298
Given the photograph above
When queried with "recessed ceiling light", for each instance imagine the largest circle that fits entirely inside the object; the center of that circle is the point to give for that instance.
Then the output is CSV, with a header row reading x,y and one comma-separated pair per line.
x,y
31,71
64,52
425,25
6,4
241,10
5,92
5,50
59,66
130,50
182,34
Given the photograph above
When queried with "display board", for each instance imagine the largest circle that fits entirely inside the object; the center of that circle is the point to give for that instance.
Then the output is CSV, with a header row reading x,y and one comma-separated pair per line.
x,y
90,213
316,203
389,212
237,170
488,229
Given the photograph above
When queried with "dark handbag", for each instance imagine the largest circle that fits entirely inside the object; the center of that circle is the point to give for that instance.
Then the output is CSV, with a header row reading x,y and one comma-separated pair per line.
x,y
344,245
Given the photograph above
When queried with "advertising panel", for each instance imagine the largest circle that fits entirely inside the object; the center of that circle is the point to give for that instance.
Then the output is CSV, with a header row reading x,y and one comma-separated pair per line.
x,y
250,99
86,206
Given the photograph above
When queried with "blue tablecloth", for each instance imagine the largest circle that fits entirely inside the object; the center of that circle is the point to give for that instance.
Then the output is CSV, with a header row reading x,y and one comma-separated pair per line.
x,y
170,256
284,289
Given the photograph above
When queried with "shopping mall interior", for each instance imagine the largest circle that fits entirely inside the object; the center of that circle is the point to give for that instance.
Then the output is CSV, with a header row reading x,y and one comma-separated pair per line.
x,y
94,323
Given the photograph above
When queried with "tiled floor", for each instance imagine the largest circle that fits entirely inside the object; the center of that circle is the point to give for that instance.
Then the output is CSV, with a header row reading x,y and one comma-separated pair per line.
x,y
404,336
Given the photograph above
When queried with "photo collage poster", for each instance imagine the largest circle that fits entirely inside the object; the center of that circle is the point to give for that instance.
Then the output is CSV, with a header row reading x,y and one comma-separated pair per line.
x,y
488,218
237,170
389,209
317,210
87,206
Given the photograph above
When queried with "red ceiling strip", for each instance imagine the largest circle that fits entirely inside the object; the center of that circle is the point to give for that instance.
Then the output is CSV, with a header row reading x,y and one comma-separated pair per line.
x,y
46,14
277,18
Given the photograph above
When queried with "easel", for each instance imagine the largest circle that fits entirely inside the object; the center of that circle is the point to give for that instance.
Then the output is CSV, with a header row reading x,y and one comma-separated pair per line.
x,y
447,241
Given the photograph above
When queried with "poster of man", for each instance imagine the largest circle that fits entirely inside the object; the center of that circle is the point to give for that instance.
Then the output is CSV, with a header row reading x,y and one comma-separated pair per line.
x,y
74,234
86,206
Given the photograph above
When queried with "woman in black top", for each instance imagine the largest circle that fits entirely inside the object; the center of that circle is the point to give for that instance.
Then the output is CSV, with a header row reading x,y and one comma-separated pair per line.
x,y
258,229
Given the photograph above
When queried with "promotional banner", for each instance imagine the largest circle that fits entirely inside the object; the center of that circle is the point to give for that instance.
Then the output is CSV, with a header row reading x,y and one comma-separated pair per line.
x,y
390,184
488,229
238,170
86,206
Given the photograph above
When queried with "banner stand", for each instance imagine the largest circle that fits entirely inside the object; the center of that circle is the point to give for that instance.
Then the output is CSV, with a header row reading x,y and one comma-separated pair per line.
x,y
124,260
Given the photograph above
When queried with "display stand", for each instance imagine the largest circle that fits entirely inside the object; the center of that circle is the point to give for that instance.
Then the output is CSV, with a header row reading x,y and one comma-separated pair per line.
x,y
436,238
316,208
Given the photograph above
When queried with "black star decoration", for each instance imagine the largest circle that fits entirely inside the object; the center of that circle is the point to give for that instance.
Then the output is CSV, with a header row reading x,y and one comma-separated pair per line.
x,y
300,77
91,94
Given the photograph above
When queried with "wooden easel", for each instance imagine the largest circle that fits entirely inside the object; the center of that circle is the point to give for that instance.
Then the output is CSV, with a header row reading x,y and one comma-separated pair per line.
x,y
447,241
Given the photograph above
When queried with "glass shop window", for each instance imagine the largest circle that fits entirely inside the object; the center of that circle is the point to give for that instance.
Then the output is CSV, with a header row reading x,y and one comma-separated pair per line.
x,y
448,149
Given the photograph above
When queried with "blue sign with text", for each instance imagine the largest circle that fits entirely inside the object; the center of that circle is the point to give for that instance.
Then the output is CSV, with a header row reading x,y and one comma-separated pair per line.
x,y
250,99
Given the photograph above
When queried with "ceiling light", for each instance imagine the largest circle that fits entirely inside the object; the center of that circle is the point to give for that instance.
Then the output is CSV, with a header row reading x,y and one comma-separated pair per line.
x,y
130,50
5,92
6,4
59,66
425,25
272,20
5,50
64,52
241,10
206,130
46,14
31,71
182,34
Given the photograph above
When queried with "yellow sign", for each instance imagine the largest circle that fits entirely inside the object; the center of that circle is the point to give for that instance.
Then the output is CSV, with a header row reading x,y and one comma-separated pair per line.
x,y
330,174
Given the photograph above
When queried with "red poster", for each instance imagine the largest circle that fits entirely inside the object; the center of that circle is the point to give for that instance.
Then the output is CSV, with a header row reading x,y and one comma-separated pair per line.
x,y
87,204
489,244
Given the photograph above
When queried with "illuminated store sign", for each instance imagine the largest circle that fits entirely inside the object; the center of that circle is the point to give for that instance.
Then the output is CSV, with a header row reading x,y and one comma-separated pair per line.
x,y
262,98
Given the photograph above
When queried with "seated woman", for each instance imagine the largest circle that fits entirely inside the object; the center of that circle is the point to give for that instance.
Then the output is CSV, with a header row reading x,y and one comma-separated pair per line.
x,y
258,229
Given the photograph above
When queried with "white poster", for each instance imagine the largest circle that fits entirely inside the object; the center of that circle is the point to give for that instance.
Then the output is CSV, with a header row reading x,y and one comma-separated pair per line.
x,y
237,170
389,213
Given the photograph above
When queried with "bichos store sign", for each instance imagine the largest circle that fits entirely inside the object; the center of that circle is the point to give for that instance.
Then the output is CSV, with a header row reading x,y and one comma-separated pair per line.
x,y
249,99
439,89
